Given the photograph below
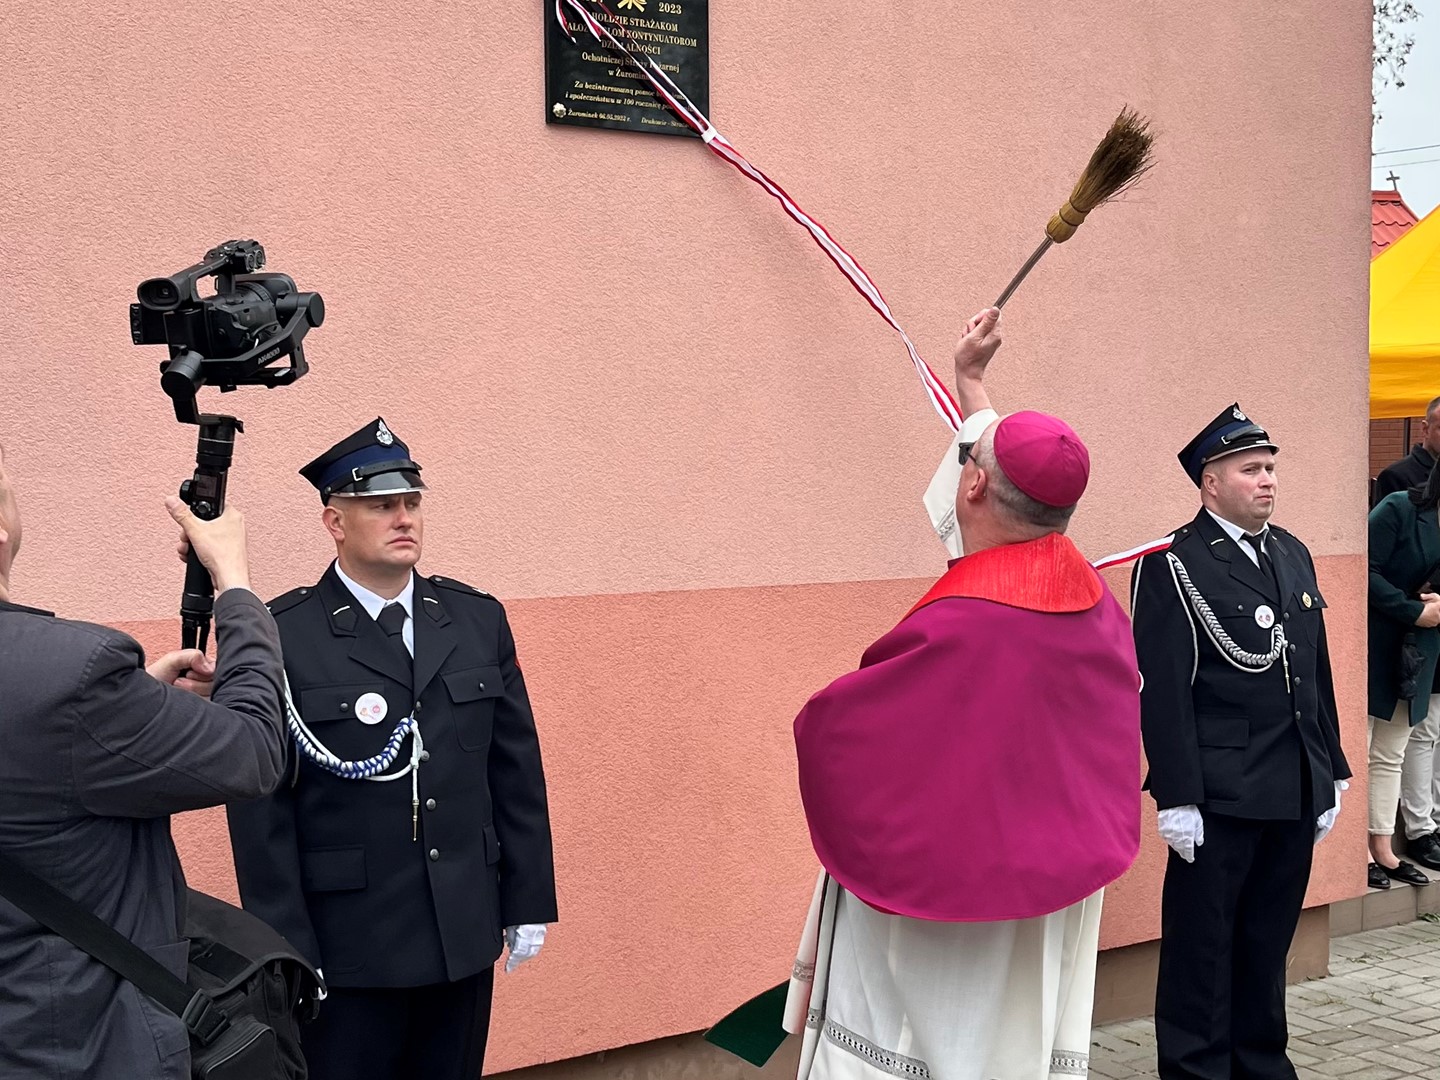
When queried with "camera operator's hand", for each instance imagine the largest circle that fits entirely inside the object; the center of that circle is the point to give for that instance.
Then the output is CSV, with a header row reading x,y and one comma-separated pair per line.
x,y
220,544
197,668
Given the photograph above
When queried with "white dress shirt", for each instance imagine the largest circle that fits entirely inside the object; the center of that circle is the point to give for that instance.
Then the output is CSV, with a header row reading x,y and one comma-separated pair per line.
x,y
373,602
1235,532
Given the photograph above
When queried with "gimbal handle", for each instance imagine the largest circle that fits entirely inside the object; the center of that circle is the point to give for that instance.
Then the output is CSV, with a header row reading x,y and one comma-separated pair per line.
x,y
204,493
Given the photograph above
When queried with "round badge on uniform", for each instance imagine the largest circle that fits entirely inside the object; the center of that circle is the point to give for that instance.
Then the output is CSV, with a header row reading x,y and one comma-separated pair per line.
x,y
1264,618
371,708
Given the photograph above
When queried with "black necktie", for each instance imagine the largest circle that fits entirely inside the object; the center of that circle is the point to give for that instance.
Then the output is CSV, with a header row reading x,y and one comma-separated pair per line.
x,y
1257,545
392,621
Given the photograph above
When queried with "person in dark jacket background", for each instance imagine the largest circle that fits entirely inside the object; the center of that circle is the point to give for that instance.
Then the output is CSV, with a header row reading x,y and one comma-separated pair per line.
x,y
99,751
1413,469
1403,615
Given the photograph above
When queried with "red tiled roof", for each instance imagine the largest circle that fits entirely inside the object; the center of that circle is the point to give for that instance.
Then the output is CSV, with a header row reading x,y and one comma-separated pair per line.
x,y
1390,219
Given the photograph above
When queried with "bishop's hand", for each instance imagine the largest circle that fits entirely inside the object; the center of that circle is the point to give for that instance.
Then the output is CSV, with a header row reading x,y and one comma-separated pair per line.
x,y
973,352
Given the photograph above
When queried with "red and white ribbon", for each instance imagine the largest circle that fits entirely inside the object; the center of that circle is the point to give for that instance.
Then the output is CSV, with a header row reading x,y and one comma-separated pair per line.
x,y
1134,553
684,108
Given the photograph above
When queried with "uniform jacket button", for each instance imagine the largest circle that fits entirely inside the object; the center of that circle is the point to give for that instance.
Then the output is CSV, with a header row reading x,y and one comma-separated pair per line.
x,y
434,854
1297,680
1297,715
429,804
424,755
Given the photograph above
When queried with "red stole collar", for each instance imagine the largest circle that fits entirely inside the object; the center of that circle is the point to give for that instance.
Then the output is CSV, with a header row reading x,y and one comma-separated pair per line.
x,y
1048,574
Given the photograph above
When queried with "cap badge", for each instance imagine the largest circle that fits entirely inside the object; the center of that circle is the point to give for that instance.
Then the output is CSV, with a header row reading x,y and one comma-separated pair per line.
x,y
383,436
1235,412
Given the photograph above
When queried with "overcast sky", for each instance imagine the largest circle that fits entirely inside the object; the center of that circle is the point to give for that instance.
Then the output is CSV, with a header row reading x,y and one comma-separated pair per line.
x,y
1412,119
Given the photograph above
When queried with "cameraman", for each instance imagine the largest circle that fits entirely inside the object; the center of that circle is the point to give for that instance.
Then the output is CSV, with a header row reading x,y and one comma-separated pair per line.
x,y
98,752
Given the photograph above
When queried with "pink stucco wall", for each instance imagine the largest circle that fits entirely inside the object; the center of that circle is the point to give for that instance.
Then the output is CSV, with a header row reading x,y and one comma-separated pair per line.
x,y
656,421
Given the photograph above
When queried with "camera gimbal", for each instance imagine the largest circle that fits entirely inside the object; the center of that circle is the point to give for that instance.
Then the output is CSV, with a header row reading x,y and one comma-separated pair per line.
x,y
231,339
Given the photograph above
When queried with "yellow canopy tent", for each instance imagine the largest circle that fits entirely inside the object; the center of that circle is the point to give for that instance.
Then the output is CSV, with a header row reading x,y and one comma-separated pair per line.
x,y
1405,323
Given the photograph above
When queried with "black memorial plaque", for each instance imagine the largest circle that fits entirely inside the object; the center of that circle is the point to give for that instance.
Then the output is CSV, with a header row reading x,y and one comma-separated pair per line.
x,y
589,85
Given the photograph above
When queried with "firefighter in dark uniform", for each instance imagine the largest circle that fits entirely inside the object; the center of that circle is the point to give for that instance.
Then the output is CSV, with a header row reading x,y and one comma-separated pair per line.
x,y
1243,741
412,837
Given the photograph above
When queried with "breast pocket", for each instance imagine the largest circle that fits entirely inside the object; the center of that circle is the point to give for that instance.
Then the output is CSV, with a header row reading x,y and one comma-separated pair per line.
x,y
472,695
323,704
369,718
1248,621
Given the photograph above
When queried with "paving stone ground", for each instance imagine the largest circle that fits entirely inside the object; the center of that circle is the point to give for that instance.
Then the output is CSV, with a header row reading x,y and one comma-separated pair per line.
x,y
1377,1017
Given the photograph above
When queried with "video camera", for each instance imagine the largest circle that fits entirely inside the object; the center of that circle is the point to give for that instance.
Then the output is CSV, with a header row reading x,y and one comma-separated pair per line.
x,y
237,337
231,339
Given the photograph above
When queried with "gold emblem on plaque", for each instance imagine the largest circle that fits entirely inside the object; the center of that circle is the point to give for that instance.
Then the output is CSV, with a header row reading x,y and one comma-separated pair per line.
x,y
638,5
559,110
1305,599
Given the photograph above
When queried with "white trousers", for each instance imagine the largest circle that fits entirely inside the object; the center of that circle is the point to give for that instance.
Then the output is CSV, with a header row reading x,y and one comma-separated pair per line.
x,y
1388,740
1419,779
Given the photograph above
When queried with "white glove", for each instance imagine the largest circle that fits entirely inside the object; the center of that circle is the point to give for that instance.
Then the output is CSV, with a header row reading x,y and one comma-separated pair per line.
x,y
1326,821
1183,829
524,942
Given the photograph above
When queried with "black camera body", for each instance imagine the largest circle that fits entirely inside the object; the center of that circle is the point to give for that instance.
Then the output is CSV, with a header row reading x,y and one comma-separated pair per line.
x,y
237,337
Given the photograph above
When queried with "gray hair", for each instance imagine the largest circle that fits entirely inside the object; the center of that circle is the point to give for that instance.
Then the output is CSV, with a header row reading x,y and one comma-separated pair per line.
x,y
1031,515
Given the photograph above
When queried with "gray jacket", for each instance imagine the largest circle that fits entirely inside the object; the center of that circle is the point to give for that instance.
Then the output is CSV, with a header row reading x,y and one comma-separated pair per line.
x,y
94,757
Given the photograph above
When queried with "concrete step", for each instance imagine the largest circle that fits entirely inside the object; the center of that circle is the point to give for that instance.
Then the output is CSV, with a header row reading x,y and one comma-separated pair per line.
x,y
1377,908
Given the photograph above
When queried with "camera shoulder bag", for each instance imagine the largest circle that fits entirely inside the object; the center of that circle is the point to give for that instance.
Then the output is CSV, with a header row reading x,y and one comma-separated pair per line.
x,y
243,1018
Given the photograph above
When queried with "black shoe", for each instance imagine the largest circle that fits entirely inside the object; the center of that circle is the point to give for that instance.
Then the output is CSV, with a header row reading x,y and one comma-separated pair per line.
x,y
1408,873
1375,877
1425,850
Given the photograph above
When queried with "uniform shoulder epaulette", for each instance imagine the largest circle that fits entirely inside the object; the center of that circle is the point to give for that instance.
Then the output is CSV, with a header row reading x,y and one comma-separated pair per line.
x,y
288,600
459,586
1292,538
1176,538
